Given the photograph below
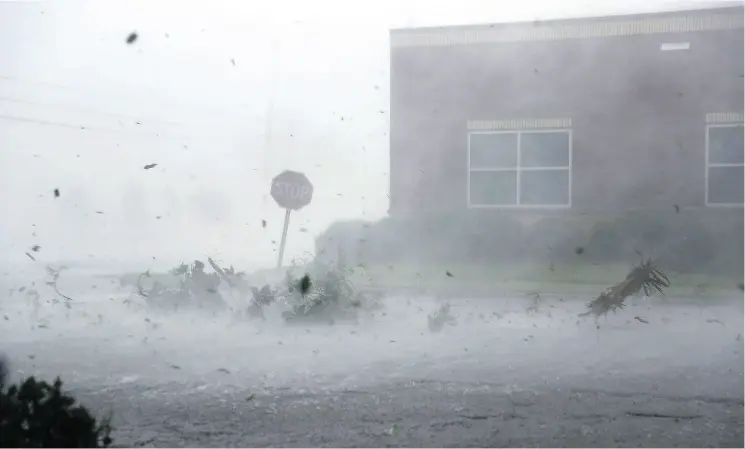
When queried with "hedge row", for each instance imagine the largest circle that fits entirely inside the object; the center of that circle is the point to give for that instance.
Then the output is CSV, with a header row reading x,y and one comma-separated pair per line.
x,y
706,242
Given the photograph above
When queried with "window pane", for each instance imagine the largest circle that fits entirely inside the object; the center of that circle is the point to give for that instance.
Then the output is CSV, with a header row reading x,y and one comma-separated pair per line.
x,y
544,187
493,188
544,149
493,150
726,145
726,185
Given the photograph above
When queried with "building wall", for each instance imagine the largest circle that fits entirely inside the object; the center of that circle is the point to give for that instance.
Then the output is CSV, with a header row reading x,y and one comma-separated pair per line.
x,y
637,115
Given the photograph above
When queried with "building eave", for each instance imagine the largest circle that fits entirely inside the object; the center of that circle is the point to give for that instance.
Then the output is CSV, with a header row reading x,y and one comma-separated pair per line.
x,y
684,21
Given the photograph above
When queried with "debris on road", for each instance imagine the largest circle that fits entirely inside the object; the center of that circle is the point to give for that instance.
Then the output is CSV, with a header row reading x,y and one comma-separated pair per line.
x,y
642,278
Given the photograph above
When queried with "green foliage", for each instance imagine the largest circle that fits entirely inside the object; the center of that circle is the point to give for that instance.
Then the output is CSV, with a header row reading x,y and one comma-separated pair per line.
x,y
553,239
325,293
37,414
701,241
682,242
436,321
196,288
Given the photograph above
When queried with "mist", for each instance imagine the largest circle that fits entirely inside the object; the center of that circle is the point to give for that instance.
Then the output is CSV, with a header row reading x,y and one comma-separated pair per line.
x,y
142,135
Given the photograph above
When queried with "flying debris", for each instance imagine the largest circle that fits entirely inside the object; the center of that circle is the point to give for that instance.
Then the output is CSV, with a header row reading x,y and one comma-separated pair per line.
x,y
644,277
131,38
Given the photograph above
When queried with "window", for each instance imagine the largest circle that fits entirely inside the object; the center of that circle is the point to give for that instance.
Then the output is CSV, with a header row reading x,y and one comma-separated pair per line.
x,y
724,165
520,168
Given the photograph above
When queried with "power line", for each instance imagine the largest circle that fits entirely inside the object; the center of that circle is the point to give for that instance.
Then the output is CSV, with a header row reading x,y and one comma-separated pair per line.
x,y
92,92
80,127
95,111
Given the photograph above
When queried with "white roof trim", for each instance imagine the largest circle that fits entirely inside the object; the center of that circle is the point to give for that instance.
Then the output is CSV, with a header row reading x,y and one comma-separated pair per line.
x,y
548,31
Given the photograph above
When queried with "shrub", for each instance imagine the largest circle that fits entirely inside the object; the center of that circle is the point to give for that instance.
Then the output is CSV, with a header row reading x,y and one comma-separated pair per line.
x,y
686,242
493,237
553,239
606,244
37,414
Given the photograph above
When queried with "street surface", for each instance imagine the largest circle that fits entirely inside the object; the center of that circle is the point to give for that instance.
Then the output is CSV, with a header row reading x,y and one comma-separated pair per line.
x,y
506,375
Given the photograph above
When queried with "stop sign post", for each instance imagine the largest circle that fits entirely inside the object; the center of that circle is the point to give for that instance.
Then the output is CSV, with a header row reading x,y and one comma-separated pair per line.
x,y
292,191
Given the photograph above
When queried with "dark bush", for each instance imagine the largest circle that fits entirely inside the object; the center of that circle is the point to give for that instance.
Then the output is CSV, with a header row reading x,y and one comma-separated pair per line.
x,y
37,414
690,242
606,244
690,247
554,240
458,237
342,240
493,237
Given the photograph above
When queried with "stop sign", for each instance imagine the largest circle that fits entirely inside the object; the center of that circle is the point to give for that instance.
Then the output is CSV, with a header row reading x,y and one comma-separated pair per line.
x,y
292,190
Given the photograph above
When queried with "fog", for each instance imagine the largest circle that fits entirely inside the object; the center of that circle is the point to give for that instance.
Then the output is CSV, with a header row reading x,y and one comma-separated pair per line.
x,y
222,97
119,157
199,379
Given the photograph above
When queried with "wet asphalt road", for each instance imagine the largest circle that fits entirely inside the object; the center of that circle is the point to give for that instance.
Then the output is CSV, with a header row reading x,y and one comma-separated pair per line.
x,y
421,414
500,378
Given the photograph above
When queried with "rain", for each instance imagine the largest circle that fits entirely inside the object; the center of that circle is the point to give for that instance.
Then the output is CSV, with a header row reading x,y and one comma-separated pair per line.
x,y
375,224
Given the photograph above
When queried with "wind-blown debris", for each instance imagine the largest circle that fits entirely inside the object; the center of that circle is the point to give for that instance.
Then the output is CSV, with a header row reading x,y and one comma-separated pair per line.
x,y
149,166
196,289
329,298
641,320
644,277
53,283
436,321
304,284
131,38
30,256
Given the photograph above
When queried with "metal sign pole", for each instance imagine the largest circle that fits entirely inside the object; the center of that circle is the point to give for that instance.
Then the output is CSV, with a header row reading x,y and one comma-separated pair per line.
x,y
284,238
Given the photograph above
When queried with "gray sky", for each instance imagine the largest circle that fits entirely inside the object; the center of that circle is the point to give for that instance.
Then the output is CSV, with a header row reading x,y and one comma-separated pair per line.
x,y
176,98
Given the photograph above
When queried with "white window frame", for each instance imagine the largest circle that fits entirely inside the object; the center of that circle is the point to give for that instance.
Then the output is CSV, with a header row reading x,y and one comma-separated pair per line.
x,y
709,165
519,169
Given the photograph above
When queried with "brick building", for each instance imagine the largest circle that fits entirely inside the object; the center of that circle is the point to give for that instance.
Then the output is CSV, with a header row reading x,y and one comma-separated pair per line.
x,y
580,115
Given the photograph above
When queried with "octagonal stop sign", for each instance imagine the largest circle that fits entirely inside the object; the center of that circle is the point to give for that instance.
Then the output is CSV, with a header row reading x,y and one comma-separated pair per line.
x,y
292,190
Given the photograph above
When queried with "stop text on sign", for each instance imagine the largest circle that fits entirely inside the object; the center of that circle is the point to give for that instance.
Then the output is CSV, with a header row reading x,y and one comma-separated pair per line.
x,y
291,190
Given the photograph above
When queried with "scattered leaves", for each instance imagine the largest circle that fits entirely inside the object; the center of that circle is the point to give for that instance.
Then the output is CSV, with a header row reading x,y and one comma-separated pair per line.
x,y
131,38
304,285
